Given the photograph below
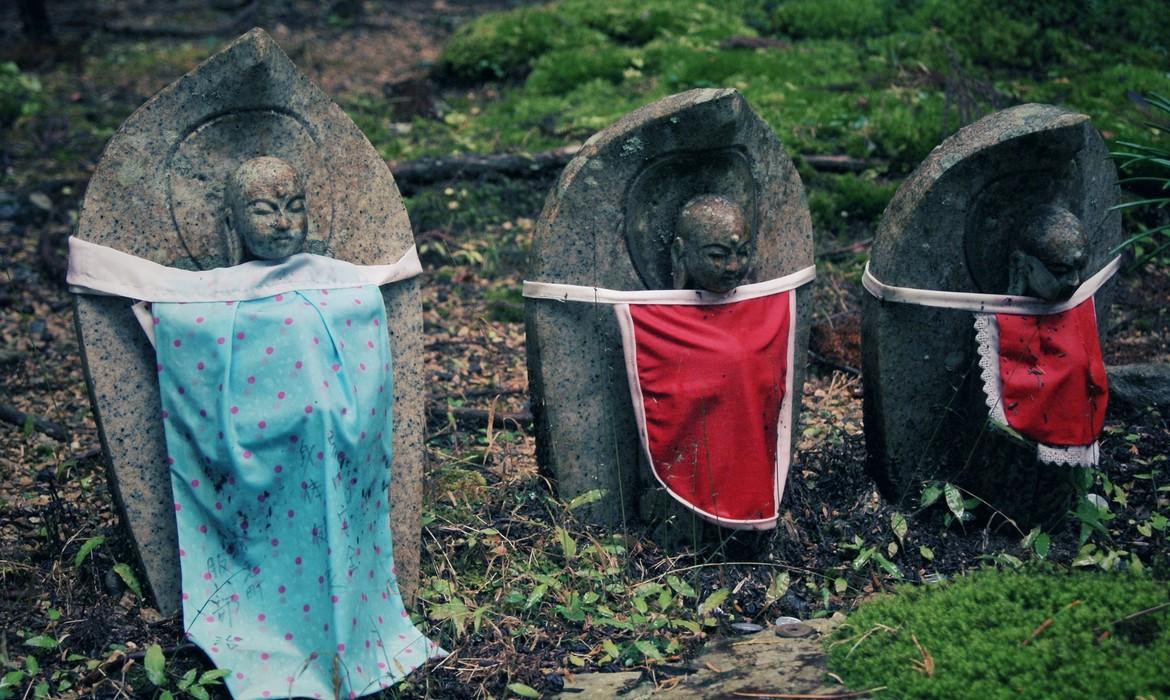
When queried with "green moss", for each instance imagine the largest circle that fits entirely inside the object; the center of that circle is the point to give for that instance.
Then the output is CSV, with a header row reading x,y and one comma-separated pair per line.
x,y
504,44
473,207
637,22
837,200
1009,635
508,44
905,125
982,31
155,63
1104,93
559,72
873,85
505,304
832,19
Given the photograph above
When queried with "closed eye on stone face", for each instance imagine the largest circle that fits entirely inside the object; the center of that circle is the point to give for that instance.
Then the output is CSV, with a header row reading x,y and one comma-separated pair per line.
x,y
262,206
716,252
296,205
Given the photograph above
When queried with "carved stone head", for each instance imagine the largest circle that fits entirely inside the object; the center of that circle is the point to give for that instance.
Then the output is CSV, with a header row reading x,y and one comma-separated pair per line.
x,y
712,249
1049,258
264,211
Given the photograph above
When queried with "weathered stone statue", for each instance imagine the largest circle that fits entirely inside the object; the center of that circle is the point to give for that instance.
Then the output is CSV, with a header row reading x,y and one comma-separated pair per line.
x,y
1007,224
264,211
689,221
1048,261
266,451
712,249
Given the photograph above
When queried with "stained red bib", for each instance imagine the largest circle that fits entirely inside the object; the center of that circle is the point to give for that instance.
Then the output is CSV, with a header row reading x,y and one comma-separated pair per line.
x,y
1052,378
712,391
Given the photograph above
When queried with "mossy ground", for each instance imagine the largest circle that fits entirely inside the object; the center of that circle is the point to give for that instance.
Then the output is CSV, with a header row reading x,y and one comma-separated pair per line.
x,y
879,81
988,635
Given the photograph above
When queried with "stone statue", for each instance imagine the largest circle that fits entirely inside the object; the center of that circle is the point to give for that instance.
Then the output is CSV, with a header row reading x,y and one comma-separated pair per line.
x,y
678,402
264,211
1049,259
981,360
260,429
712,248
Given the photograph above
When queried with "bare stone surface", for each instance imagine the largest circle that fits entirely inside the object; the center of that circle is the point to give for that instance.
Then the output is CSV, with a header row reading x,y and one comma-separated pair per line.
x,y
610,222
157,194
959,223
763,663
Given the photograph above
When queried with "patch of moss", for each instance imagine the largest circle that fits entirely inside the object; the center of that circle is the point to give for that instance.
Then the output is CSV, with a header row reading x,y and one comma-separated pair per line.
x,y
837,200
883,97
1106,93
508,44
1009,635
504,44
505,304
467,207
151,64
637,22
559,72
832,19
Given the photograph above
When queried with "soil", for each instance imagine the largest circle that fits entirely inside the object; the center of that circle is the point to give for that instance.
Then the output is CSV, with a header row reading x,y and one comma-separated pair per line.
x,y
54,496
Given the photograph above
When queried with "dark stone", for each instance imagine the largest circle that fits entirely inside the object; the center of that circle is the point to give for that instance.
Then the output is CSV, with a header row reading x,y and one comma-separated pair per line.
x,y
925,416
156,194
607,224
1136,389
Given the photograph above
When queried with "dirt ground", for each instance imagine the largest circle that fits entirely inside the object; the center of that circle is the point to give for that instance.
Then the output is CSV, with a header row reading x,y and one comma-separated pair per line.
x,y
53,493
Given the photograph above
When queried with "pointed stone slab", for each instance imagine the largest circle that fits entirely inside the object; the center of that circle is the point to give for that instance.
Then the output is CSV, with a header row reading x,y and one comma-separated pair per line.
x,y
925,416
155,195
606,224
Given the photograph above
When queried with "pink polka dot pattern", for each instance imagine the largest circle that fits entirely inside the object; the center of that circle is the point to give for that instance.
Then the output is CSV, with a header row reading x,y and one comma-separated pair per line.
x,y
269,429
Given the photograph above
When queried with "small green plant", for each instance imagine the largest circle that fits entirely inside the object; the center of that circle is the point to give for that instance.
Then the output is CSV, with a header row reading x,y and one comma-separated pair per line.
x,y
991,634
191,684
561,579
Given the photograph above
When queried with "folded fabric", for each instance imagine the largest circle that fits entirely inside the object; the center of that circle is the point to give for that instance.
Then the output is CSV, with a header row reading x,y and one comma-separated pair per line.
x,y
277,416
711,382
1041,366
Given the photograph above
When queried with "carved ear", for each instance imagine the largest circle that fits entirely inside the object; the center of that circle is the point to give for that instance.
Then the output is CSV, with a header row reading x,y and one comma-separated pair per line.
x,y
678,269
235,247
1017,273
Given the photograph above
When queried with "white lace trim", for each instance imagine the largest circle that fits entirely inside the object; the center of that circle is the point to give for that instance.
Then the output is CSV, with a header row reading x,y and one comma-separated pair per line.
x,y
987,344
1072,455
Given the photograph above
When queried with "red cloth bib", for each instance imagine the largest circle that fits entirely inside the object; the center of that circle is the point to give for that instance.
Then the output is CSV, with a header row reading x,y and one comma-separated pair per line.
x,y
1052,377
712,393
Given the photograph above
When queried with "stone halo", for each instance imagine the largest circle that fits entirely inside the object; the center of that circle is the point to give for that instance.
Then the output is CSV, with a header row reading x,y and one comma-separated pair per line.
x,y
199,163
663,186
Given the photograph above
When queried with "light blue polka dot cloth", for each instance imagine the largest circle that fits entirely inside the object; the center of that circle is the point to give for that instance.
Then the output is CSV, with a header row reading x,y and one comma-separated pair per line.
x,y
277,419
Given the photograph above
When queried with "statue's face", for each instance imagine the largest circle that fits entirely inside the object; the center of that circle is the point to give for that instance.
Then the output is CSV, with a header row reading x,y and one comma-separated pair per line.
x,y
267,208
716,248
1054,255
